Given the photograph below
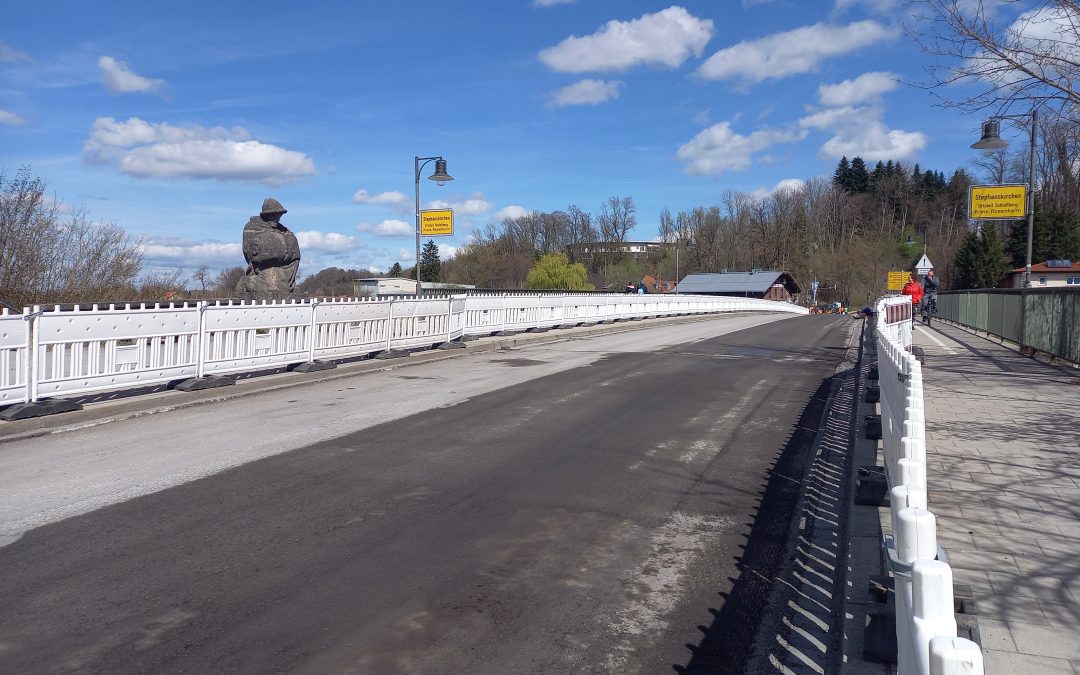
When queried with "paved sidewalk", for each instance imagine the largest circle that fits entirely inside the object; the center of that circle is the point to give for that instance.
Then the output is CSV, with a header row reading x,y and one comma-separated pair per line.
x,y
1003,473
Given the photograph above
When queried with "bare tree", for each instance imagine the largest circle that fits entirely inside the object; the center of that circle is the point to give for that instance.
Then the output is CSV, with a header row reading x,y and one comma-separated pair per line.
x,y
201,277
52,254
1032,61
617,218
226,280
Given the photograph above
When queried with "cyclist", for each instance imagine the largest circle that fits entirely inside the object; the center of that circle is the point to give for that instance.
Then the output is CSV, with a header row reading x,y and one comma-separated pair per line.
x,y
930,289
913,289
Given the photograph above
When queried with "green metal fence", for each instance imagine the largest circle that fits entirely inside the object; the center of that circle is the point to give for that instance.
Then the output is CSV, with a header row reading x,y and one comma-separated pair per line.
x,y
1045,319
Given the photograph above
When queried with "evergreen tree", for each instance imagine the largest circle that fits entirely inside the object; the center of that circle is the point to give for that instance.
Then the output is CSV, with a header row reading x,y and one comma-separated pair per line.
x,y
980,261
430,265
859,181
1055,235
395,270
842,175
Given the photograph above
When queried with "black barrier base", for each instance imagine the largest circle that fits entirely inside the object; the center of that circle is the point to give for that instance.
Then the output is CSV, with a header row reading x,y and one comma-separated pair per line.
x,y
25,411
452,345
871,487
873,394
200,383
391,354
879,638
313,366
873,427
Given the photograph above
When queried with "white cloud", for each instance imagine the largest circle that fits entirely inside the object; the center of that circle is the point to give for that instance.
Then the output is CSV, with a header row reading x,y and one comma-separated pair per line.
x,y
859,130
397,198
447,251
327,242
511,212
179,253
11,119
389,228
147,150
718,148
470,207
783,186
9,55
666,38
792,52
874,142
789,185
118,78
406,255
866,87
586,92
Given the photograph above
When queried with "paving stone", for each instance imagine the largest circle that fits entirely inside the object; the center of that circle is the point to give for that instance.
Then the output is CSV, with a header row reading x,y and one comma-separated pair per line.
x,y
1044,640
1010,608
996,636
1011,663
1061,614
1028,586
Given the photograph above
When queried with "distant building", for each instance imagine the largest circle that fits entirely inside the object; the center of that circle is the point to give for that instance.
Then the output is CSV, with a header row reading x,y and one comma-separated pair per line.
x,y
584,253
376,286
658,285
763,284
1049,274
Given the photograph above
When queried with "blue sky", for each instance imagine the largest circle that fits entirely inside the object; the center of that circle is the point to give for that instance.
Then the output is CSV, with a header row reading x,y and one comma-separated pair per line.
x,y
175,120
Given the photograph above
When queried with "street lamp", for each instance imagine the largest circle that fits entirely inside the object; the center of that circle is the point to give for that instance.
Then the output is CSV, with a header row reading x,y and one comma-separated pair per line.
x,y
991,140
440,177
678,245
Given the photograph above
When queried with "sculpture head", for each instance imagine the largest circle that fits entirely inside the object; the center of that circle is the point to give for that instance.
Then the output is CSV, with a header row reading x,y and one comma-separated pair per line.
x,y
272,209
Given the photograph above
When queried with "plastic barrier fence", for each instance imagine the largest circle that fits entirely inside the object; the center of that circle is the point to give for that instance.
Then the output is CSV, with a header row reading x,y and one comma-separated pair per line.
x,y
925,625
49,352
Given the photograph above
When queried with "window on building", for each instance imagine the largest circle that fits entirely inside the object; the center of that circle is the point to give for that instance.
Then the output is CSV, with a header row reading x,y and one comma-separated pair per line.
x,y
1042,281
1072,281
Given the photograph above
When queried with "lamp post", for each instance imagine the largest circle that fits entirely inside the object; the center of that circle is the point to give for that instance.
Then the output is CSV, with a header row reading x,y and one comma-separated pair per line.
x,y
991,140
440,177
678,245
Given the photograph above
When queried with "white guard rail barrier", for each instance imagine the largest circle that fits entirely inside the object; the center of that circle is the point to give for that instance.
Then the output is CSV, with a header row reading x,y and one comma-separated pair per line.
x,y
14,357
46,352
925,624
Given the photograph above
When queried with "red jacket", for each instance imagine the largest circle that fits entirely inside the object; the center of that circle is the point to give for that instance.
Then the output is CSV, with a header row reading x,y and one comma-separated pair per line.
x,y
913,289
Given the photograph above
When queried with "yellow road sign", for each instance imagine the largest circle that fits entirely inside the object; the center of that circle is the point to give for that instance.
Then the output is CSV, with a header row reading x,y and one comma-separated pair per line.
x,y
998,202
436,222
897,280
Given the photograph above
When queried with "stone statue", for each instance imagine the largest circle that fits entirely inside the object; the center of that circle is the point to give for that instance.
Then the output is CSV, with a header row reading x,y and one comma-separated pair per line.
x,y
272,254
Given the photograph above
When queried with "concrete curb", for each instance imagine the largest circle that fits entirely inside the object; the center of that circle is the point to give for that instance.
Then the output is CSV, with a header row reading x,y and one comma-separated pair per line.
x,y
162,400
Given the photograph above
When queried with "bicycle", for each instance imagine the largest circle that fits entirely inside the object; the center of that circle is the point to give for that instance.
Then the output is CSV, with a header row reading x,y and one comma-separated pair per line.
x,y
928,308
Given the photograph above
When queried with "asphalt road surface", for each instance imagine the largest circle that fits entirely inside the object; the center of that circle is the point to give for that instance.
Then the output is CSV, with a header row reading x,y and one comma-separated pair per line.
x,y
612,504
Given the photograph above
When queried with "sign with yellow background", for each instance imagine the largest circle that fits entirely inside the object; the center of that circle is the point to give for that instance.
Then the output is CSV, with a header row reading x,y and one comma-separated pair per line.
x,y
897,280
436,222
997,202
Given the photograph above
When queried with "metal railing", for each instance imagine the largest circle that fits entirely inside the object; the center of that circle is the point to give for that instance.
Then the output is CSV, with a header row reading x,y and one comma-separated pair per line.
x,y
925,625
54,352
1044,319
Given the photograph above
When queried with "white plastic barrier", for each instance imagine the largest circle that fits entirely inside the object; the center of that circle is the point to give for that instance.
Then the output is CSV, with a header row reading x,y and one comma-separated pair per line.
x,y
49,352
925,626
240,336
14,357
351,328
100,348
